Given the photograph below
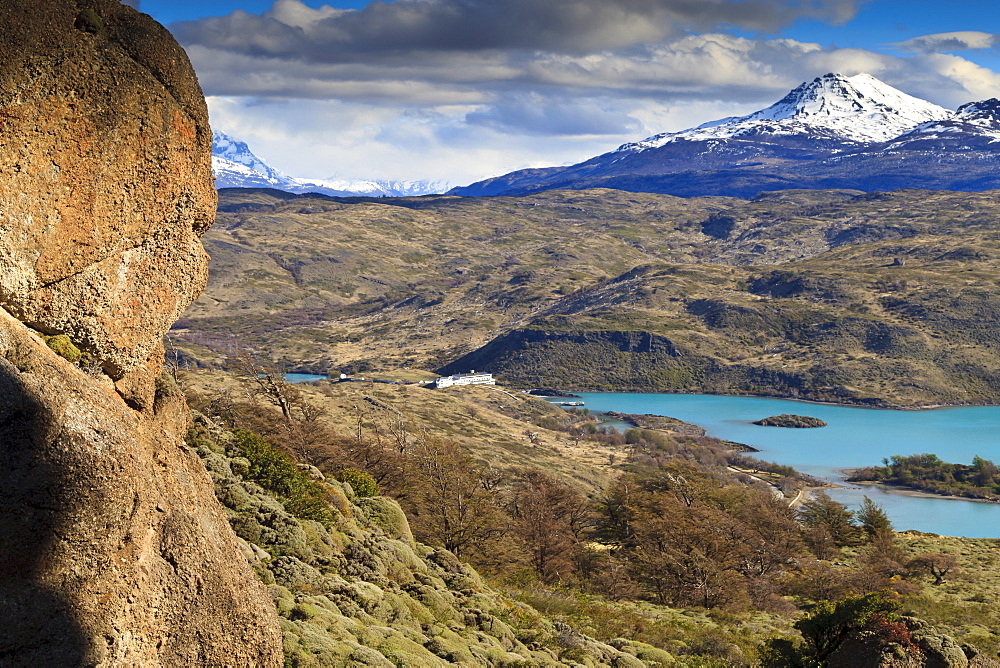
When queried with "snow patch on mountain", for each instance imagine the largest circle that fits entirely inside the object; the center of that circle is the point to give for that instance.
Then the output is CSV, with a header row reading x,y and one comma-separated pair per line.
x,y
859,109
974,125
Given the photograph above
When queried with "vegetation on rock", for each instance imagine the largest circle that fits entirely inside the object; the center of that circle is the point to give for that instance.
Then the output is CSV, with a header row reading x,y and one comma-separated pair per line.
x,y
64,347
791,421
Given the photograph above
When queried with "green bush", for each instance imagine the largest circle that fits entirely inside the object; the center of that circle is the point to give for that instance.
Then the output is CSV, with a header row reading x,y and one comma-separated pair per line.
x,y
276,472
362,483
829,626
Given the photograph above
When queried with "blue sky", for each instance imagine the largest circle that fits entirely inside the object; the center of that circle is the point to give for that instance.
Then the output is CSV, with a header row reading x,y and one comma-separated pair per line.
x,y
459,90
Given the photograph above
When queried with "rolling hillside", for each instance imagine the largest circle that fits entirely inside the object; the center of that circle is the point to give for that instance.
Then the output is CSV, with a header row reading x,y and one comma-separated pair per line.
x,y
841,295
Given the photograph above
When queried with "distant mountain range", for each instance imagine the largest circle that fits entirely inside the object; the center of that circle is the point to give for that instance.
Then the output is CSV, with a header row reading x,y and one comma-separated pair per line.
x,y
833,132
236,166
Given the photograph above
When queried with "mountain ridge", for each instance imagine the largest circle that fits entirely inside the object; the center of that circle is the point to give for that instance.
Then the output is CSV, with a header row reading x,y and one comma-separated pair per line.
x,y
833,132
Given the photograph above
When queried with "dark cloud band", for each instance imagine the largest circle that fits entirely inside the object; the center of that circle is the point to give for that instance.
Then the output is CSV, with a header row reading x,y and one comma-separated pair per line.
x,y
291,30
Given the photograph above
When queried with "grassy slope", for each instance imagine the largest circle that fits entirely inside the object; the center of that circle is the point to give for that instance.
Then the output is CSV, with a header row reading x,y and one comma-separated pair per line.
x,y
964,606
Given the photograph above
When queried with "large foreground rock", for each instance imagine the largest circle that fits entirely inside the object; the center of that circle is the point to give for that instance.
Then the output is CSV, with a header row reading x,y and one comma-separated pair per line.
x,y
113,550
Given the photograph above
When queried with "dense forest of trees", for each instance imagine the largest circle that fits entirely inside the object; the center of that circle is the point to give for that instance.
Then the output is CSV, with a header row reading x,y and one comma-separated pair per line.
x,y
926,472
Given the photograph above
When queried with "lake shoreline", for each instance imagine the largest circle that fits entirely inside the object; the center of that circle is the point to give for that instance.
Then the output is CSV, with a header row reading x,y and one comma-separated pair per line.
x,y
852,439
881,406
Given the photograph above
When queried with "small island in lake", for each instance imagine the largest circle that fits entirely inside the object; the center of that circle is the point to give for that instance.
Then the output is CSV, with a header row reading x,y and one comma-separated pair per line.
x,y
792,421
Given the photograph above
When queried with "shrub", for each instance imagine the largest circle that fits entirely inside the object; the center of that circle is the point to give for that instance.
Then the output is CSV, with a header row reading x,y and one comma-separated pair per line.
x,y
275,471
89,21
831,624
363,484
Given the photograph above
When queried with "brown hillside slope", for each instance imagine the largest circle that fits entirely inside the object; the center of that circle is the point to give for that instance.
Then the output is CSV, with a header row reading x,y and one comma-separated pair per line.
x,y
113,550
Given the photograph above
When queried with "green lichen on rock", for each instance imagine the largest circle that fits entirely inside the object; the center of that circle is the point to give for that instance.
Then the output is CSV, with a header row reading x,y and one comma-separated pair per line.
x,y
386,514
64,347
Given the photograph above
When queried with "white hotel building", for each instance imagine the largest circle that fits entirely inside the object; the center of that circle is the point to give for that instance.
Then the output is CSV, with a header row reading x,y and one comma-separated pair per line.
x,y
471,378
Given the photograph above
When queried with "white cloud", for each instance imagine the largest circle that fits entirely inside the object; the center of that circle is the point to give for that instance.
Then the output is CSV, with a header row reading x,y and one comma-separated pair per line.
x,y
321,138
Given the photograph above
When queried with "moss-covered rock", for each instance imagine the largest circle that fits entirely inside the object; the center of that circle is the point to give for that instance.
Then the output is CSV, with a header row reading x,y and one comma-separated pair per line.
x,y
64,347
359,591
386,514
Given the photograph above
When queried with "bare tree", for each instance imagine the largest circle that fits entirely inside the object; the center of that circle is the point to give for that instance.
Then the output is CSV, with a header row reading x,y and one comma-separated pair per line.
x,y
935,564
265,381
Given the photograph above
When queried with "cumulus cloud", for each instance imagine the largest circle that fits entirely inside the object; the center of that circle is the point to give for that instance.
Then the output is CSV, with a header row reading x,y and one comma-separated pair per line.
x,y
134,4
965,40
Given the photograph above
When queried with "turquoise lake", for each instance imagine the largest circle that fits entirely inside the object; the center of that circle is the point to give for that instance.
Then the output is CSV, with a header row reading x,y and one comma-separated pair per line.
x,y
855,437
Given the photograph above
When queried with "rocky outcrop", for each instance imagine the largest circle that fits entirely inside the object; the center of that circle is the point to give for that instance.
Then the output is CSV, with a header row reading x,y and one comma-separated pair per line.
x,y
113,550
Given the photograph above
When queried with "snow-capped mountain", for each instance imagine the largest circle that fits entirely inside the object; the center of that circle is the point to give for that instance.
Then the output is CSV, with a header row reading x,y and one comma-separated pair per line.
x,y
356,188
236,166
858,109
833,132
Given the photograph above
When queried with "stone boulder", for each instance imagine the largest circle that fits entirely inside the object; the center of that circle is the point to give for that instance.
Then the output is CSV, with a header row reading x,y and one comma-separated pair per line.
x,y
105,177
113,549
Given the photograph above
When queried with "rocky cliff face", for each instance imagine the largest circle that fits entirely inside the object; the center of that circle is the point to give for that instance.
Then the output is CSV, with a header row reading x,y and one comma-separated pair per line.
x,y
113,550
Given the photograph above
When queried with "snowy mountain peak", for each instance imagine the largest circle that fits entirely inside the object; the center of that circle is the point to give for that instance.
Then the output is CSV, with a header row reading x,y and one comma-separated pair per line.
x,y
856,109
872,109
